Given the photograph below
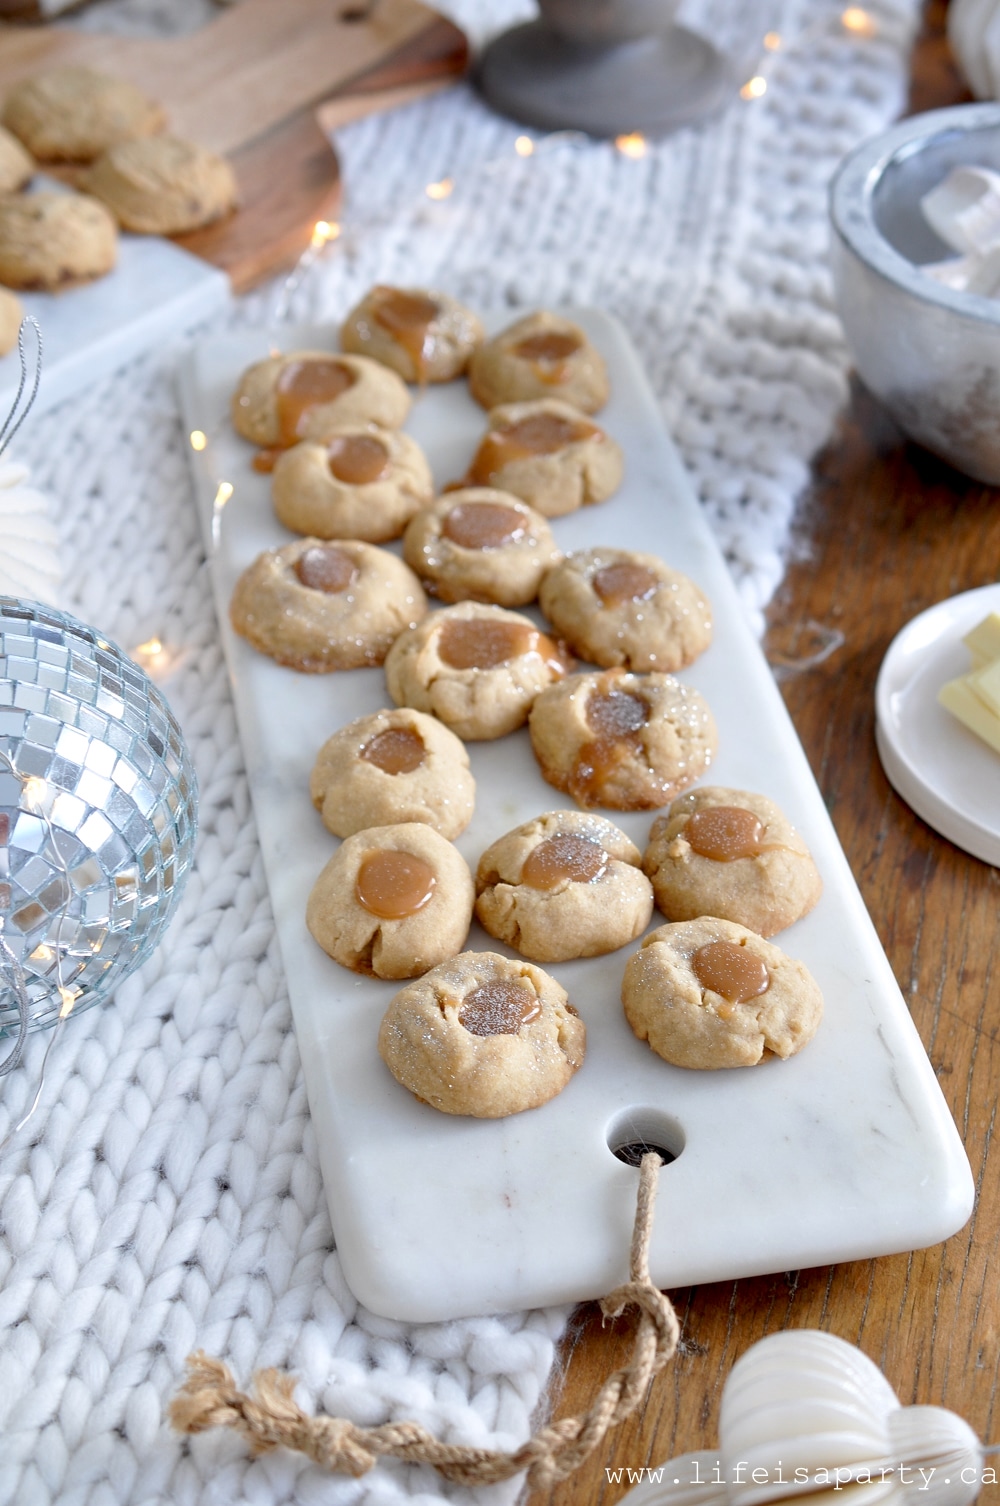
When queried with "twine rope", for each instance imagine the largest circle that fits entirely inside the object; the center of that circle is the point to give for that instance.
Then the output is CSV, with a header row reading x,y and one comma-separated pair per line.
x,y
271,1418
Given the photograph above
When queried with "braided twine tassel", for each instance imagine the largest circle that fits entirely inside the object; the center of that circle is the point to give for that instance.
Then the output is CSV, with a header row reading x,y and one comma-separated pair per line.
x,y
271,1418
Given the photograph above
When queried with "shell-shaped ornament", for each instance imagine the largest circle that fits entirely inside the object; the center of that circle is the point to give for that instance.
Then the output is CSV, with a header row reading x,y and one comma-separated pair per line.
x,y
805,1414
29,554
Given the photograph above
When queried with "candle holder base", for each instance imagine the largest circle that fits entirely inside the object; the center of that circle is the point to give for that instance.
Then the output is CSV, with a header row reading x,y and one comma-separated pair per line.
x,y
655,84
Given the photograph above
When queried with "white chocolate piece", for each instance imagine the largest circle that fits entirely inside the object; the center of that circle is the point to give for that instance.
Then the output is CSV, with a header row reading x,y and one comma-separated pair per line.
x,y
983,642
985,683
958,697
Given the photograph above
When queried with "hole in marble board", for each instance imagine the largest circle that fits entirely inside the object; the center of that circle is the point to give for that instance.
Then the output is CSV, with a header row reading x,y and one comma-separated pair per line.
x,y
635,1131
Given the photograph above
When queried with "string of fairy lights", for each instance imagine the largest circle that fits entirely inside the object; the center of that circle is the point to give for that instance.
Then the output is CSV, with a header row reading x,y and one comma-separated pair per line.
x,y
854,22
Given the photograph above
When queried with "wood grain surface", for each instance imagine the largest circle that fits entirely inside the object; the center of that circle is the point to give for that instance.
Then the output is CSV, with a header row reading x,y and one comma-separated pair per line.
x,y
886,530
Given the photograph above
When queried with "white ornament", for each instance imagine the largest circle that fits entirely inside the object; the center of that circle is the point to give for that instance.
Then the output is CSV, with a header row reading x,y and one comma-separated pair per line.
x,y
810,1415
29,556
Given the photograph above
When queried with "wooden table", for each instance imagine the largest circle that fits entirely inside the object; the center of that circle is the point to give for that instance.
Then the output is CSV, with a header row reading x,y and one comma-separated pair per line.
x,y
889,530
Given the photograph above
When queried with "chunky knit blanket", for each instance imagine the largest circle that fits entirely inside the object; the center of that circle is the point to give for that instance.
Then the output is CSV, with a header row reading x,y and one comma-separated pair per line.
x,y
166,1195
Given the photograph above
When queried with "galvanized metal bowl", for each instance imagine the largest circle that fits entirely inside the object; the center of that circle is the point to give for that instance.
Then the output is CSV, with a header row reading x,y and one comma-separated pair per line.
x,y
931,354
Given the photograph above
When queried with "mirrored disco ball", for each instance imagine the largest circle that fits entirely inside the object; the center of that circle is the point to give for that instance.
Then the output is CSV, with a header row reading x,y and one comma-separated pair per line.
x,y
97,811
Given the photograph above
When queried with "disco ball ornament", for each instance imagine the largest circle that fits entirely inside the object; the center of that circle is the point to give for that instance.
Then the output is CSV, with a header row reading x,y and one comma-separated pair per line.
x,y
98,813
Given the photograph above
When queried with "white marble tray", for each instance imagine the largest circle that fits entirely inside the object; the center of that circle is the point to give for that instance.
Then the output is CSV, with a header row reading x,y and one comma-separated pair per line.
x,y
845,1151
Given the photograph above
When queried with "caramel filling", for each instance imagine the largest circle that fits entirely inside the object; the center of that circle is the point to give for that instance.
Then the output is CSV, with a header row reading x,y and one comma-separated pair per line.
x,y
724,833
393,884
304,385
731,971
397,750
472,643
265,460
579,860
549,352
624,581
538,434
617,717
407,317
357,459
324,567
483,525
499,1008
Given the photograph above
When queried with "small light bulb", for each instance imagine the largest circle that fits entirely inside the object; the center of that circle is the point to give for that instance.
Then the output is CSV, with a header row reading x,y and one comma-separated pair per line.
x,y
198,439
524,146
861,22
632,145
149,649
68,997
754,87
223,494
772,41
324,231
439,190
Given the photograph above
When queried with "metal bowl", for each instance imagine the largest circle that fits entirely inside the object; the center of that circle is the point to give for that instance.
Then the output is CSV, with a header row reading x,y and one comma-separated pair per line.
x,y
930,353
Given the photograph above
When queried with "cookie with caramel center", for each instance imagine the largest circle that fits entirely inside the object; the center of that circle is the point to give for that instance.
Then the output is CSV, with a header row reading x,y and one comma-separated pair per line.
x,y
623,741
708,993
564,885
423,335
480,544
541,356
483,1036
393,766
316,606
392,902
731,853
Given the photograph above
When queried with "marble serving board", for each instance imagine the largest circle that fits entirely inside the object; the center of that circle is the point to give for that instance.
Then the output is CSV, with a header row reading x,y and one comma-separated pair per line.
x,y
846,1151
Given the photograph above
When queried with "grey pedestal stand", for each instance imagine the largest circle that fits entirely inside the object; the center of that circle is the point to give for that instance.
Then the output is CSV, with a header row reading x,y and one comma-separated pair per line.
x,y
654,84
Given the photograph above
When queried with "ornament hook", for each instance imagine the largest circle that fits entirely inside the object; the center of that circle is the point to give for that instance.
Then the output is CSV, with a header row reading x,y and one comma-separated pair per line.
x,y
14,418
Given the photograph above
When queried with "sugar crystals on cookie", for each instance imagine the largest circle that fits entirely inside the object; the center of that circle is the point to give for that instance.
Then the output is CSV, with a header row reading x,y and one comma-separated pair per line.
x,y
316,606
564,885
625,741
484,1036
619,606
477,668
708,993
480,544
393,766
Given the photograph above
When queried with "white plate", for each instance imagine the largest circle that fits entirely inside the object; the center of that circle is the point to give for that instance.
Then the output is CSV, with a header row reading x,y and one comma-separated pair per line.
x,y
845,1151
950,777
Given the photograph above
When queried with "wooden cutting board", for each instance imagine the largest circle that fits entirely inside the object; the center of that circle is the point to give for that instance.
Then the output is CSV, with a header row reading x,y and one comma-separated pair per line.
x,y
249,84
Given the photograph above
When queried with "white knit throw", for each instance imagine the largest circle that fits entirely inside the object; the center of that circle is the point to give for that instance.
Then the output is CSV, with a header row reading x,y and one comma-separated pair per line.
x,y
167,1194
